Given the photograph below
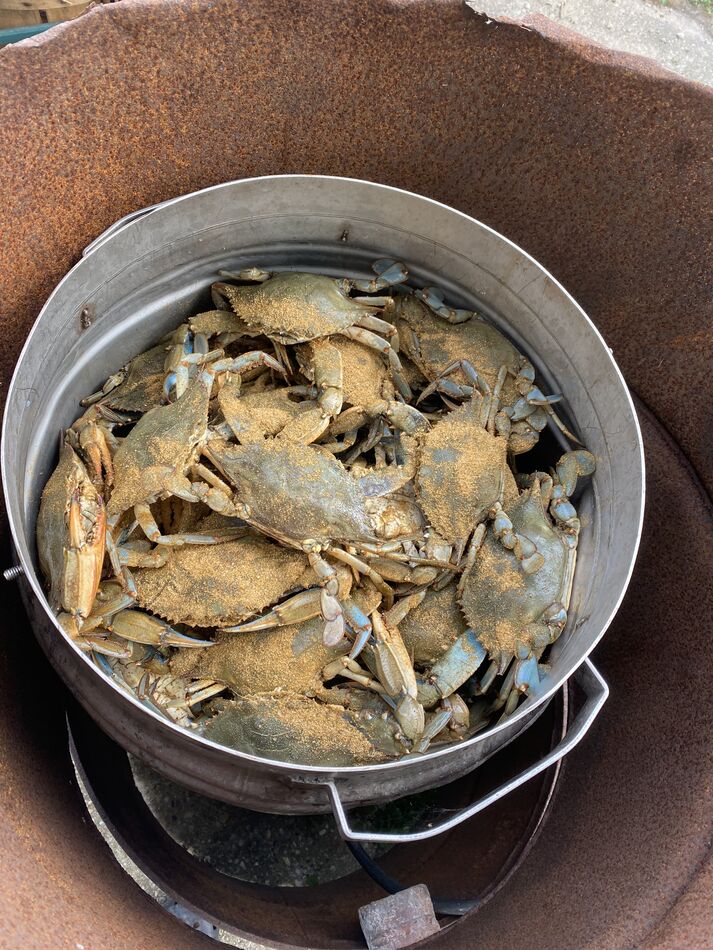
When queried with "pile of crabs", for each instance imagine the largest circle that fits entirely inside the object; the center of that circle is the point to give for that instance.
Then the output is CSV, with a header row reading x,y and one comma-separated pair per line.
x,y
298,524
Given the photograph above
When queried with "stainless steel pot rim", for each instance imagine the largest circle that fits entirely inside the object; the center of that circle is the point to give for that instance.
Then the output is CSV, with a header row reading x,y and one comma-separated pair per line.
x,y
317,771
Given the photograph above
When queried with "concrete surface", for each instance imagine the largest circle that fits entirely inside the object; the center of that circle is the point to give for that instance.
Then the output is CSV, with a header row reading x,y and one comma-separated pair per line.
x,y
677,34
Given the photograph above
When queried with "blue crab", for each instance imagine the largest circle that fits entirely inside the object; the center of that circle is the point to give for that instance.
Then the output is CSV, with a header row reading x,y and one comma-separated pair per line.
x,y
71,537
292,307
305,498
255,415
290,727
155,458
512,614
459,350
290,656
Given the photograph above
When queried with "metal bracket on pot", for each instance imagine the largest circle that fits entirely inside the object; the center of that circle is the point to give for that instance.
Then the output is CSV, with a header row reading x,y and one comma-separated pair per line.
x,y
596,691
113,228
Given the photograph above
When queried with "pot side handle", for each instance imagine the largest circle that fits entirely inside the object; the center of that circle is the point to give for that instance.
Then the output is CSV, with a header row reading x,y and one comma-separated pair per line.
x,y
113,228
596,691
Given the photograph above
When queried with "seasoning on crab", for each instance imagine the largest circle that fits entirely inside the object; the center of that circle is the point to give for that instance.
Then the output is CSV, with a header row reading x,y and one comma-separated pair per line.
x,y
301,730
221,584
71,527
444,350
291,307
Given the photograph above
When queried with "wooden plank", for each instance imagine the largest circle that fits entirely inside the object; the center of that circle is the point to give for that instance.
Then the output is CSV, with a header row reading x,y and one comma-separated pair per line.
x,y
10,18
68,13
37,5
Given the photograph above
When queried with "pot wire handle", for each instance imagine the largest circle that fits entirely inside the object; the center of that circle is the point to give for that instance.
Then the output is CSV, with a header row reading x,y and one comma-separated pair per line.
x,y
113,228
596,691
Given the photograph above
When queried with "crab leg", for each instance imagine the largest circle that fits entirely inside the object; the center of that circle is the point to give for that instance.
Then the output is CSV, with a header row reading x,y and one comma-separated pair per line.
x,y
104,645
434,298
140,554
199,694
495,399
348,668
138,627
403,607
474,546
434,725
93,437
522,547
330,608
388,273
363,568
148,525
470,372
360,625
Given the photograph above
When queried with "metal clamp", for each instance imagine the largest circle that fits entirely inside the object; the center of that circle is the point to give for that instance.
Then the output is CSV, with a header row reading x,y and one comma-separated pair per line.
x,y
596,691
113,228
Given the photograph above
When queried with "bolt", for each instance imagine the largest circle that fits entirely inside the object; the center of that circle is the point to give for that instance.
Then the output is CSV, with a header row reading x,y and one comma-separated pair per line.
x,y
12,573
86,317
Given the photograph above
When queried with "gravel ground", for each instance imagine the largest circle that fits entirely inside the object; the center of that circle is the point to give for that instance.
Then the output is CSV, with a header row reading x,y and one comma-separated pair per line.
x,y
277,850
677,34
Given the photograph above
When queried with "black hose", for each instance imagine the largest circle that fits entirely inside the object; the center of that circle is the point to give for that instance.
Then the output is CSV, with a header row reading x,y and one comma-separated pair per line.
x,y
448,908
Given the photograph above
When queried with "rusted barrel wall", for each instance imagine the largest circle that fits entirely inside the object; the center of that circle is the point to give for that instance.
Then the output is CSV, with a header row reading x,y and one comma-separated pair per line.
x,y
599,165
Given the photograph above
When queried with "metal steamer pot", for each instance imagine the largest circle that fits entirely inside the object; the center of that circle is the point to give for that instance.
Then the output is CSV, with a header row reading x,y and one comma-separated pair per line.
x,y
152,269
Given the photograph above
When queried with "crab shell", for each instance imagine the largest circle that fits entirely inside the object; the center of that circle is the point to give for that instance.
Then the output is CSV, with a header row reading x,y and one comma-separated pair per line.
x,y
296,492
441,343
293,728
153,457
433,626
142,389
221,584
254,416
462,473
70,536
290,657
502,603
366,377
293,308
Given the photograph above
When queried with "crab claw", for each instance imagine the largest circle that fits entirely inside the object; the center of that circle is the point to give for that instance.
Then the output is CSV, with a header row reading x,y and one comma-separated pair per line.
x,y
334,619
387,272
452,669
297,609
139,627
434,297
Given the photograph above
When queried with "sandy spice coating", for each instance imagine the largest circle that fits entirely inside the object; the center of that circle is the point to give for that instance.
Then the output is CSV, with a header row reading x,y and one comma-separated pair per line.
x,y
295,307
502,603
221,584
304,490
429,629
290,657
213,322
441,343
462,472
292,728
254,416
154,455
143,387
366,376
